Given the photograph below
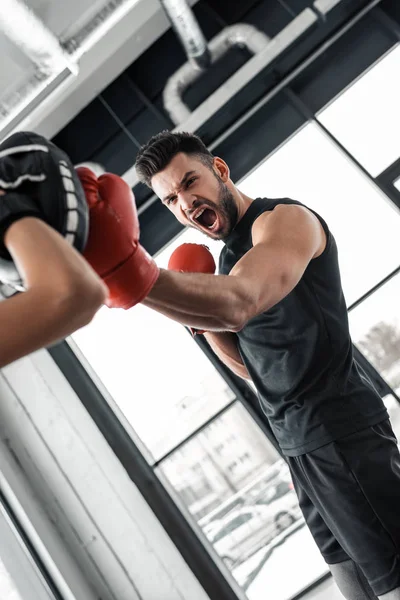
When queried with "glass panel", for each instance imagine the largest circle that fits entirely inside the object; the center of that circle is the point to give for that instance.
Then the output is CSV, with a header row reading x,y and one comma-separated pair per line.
x,y
365,117
239,491
8,591
366,226
397,184
159,378
20,577
375,328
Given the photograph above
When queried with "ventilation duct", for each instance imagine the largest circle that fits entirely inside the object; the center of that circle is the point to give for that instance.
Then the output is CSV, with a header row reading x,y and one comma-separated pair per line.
x,y
27,32
50,61
192,121
264,52
85,37
189,32
236,35
240,35
54,62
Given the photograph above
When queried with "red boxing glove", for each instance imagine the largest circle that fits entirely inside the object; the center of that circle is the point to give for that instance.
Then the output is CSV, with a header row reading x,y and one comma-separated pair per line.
x,y
192,258
113,248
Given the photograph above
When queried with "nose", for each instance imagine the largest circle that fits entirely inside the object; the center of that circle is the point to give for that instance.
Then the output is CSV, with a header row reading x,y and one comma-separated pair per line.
x,y
186,201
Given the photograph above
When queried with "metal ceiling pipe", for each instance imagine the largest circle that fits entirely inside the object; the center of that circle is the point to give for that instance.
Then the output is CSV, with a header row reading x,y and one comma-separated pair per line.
x,y
18,101
30,34
189,32
90,33
241,34
324,6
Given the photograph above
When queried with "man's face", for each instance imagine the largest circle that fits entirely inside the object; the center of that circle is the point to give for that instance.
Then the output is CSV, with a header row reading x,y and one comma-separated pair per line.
x,y
197,195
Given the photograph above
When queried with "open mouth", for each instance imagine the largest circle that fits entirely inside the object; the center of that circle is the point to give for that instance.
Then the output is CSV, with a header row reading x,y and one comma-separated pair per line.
x,y
206,218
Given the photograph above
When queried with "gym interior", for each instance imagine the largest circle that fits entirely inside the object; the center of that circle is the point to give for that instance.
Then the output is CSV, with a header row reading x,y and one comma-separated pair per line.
x,y
134,465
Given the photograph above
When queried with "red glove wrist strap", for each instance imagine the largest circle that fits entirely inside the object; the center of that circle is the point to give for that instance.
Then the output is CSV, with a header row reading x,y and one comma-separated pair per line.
x,y
130,283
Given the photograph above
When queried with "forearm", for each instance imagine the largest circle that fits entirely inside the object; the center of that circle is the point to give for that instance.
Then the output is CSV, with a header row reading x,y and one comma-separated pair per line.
x,y
197,300
224,344
63,293
182,317
38,318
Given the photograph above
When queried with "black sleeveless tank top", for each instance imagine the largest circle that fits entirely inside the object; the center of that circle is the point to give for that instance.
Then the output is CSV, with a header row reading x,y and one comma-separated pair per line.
x,y
299,353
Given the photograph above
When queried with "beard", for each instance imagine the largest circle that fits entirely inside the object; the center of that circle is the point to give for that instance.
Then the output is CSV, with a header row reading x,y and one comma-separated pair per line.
x,y
228,210
225,209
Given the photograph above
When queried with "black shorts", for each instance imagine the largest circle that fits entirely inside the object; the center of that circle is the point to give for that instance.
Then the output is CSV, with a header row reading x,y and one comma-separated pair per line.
x,y
349,493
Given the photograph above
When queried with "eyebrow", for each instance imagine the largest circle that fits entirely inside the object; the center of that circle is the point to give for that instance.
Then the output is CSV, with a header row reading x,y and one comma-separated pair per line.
x,y
181,183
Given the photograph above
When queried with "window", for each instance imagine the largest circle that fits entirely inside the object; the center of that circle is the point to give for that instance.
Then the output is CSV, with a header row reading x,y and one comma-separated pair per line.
x,y
20,577
158,378
240,515
231,526
229,468
219,448
245,457
167,403
7,586
220,470
310,169
365,117
375,328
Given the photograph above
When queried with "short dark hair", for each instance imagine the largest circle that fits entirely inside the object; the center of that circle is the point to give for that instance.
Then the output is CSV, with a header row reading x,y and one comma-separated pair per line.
x,y
154,156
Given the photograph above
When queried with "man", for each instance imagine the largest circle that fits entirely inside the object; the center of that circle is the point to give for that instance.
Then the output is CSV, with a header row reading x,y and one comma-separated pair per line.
x,y
276,314
43,230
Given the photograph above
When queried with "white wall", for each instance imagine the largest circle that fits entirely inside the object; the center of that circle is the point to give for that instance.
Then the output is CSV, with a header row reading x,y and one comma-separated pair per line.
x,y
78,496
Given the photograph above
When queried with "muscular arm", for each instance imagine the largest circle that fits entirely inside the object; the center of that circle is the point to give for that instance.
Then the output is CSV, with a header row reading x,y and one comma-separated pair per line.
x,y
284,242
62,291
223,343
225,347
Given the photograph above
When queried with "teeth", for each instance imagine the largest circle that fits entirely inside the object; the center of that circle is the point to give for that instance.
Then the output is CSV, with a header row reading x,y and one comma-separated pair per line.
x,y
199,213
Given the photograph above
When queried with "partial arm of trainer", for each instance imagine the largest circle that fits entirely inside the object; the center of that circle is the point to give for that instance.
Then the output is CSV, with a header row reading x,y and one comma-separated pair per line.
x,y
63,293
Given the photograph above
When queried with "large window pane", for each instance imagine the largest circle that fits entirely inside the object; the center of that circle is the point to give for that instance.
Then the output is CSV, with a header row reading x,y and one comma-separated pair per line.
x,y
365,118
160,380
219,461
8,591
240,493
20,577
375,328
309,168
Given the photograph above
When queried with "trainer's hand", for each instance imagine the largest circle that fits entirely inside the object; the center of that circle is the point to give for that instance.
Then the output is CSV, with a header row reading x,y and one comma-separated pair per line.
x,y
192,258
113,248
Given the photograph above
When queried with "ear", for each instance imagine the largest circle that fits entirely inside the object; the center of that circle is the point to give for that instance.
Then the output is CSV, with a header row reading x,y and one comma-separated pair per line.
x,y
222,169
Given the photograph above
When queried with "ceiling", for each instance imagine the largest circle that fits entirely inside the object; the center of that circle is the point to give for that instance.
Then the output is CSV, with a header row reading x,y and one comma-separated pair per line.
x,y
99,40
131,108
94,80
117,56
